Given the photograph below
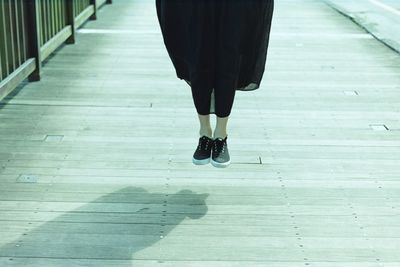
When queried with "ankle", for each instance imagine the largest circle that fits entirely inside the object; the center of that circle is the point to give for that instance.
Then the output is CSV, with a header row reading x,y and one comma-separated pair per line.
x,y
206,132
220,135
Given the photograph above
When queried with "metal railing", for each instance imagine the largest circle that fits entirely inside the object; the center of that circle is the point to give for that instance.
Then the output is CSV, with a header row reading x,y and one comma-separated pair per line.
x,y
30,30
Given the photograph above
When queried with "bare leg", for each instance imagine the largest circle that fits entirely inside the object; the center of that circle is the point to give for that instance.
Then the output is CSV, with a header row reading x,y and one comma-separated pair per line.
x,y
205,126
220,129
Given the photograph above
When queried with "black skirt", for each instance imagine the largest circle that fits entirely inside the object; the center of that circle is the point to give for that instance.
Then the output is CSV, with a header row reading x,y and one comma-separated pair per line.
x,y
217,39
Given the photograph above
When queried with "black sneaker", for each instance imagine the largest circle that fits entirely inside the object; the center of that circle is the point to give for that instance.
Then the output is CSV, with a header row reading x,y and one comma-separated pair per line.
x,y
203,152
220,154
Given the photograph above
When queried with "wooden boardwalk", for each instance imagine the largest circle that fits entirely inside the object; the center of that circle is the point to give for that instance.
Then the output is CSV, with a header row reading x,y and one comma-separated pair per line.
x,y
96,158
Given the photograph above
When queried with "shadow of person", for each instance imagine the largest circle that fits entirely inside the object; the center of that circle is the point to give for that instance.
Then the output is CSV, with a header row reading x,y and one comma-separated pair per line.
x,y
112,227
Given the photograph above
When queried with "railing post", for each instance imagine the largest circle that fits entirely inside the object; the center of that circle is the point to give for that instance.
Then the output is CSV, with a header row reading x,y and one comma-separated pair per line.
x,y
94,15
34,37
70,17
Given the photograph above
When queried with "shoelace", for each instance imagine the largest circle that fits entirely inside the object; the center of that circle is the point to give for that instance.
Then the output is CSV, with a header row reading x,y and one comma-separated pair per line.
x,y
218,145
208,142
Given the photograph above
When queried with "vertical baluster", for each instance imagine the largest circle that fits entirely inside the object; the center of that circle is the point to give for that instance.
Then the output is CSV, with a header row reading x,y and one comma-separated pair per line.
x,y
70,19
63,12
94,3
40,21
60,15
74,5
10,27
44,20
1,67
56,16
23,23
17,33
1,41
34,36
3,33
48,23
1,58
51,16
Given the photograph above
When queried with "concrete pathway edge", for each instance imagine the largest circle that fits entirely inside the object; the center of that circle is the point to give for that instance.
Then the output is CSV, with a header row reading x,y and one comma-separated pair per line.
x,y
368,23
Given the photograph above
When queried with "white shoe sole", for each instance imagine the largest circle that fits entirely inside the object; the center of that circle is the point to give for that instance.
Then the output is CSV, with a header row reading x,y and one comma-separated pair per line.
x,y
200,161
219,164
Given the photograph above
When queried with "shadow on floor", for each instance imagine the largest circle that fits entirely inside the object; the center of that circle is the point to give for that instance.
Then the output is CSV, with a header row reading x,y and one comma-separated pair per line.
x,y
114,226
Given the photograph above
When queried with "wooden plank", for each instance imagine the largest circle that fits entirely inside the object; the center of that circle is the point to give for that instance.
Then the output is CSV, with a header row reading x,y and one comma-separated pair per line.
x,y
118,188
16,77
99,3
146,263
83,16
385,17
51,45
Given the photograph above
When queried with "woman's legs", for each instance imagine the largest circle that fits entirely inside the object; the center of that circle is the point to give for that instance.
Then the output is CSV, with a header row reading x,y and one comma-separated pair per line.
x,y
205,126
220,128
223,105
202,102
224,99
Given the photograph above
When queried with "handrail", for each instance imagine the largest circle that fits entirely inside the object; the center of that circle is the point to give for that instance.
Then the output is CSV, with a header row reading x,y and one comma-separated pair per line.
x,y
30,30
